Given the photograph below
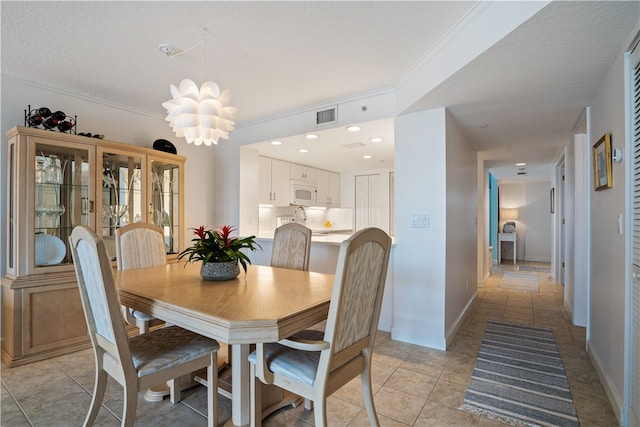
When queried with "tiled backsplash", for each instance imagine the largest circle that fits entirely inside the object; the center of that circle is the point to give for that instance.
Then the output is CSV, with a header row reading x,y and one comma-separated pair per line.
x,y
341,218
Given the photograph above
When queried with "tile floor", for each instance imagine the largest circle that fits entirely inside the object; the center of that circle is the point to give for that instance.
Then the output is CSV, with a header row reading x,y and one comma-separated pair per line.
x,y
413,385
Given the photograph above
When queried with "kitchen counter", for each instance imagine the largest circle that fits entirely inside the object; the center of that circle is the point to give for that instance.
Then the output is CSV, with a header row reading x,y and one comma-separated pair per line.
x,y
330,238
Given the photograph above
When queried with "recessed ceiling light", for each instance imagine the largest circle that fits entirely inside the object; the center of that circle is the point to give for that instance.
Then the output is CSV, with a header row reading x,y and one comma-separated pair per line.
x,y
484,126
311,136
521,164
276,142
353,128
367,156
376,139
303,150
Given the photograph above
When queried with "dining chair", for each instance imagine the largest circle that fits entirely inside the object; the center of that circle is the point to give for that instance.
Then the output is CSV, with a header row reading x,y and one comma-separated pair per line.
x,y
139,245
315,364
291,247
139,362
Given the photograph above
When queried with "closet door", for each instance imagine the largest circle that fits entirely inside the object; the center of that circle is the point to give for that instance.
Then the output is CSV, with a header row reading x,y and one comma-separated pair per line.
x,y
632,403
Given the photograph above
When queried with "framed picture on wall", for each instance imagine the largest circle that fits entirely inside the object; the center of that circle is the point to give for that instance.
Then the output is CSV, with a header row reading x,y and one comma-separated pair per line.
x,y
602,163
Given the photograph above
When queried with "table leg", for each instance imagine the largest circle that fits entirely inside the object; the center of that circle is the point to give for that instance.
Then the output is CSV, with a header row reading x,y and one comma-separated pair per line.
x,y
240,377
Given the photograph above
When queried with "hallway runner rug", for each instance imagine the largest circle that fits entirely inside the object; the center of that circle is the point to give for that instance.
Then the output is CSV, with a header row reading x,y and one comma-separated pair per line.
x,y
519,378
519,282
535,268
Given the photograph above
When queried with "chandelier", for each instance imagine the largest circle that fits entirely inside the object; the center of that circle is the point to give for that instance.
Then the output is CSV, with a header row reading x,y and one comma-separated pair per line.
x,y
200,115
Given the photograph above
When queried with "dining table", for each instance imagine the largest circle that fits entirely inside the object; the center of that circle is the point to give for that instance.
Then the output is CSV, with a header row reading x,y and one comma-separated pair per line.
x,y
265,304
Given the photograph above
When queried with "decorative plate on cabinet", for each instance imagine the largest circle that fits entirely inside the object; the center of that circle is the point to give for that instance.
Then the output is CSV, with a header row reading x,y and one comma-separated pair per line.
x,y
50,250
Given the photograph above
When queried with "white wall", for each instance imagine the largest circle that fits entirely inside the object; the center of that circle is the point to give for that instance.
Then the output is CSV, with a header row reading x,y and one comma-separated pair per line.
x,y
605,339
419,281
577,185
461,225
534,219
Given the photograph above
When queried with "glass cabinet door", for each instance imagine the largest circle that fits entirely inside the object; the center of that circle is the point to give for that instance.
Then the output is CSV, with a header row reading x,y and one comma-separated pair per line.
x,y
166,201
61,178
121,193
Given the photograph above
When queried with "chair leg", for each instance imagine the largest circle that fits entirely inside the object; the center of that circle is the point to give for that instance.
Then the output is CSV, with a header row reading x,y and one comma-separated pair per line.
x,y
212,392
256,398
98,394
130,403
308,404
143,325
175,390
367,394
320,411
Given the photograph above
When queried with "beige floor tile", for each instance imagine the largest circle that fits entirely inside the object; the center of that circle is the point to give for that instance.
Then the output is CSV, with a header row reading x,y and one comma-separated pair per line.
x,y
400,406
434,415
411,382
448,393
362,420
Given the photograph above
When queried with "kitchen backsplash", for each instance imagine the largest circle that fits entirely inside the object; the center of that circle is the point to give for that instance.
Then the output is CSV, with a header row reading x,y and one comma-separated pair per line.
x,y
340,218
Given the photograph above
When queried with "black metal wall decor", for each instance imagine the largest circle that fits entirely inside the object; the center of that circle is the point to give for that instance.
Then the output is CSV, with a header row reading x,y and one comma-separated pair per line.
x,y
45,119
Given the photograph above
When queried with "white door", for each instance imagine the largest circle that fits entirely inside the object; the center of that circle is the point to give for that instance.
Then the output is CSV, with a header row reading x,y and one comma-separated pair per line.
x,y
632,403
367,206
362,202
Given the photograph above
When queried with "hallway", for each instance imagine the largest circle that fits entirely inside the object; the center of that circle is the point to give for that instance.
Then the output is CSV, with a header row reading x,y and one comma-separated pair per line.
x,y
413,385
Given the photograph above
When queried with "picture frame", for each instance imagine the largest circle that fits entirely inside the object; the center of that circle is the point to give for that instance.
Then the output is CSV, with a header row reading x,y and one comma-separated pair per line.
x,y
602,176
552,200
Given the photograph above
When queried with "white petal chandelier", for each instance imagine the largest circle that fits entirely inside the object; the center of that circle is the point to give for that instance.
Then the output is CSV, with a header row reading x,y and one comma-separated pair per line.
x,y
200,116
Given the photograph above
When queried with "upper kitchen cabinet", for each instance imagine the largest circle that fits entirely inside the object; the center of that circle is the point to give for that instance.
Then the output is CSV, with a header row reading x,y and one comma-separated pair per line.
x,y
57,181
303,173
328,188
273,182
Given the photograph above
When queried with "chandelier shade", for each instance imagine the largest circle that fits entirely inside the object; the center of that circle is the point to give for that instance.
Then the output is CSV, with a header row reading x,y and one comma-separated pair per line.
x,y
201,116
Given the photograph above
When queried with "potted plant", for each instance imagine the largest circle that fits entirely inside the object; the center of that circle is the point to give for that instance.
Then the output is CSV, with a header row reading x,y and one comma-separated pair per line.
x,y
219,252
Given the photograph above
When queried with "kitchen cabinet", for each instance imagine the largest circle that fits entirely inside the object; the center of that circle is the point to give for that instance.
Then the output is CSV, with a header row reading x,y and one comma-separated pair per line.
x,y
273,181
303,173
328,184
57,181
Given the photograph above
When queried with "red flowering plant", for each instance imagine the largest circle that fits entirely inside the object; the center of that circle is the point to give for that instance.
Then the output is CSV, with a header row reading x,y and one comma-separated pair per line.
x,y
219,246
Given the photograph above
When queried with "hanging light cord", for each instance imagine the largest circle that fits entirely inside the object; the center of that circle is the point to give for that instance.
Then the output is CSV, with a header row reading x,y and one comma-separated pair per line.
x,y
200,43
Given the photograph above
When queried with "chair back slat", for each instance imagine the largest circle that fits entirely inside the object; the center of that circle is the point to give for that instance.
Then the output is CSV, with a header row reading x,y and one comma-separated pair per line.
x,y
291,247
139,245
99,295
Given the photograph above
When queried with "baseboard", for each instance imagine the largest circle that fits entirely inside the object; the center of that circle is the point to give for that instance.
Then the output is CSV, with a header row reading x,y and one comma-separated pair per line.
x,y
615,399
569,309
458,323
385,325
417,337
537,259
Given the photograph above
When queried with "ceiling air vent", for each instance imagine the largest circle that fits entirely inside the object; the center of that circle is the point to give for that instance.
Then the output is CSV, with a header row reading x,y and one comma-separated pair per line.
x,y
522,173
327,116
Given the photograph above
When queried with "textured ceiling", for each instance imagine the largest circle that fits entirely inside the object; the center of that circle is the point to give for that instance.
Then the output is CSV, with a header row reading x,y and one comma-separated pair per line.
x,y
518,99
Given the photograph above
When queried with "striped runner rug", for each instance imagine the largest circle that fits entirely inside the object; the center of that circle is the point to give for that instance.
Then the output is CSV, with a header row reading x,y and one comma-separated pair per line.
x,y
535,268
519,378
519,282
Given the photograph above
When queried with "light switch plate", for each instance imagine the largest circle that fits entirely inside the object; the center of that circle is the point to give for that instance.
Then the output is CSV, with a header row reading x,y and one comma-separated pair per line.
x,y
420,221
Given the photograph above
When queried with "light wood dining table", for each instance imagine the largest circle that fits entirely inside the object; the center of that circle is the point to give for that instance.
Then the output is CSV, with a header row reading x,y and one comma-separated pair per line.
x,y
264,305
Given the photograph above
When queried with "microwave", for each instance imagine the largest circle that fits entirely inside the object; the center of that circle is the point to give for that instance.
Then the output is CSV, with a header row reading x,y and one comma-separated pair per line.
x,y
302,194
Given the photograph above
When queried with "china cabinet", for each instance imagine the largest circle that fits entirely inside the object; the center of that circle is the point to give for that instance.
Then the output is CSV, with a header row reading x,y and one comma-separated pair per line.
x,y
57,181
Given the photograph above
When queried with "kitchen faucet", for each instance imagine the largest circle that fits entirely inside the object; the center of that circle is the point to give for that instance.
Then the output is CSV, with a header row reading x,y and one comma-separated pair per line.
x,y
299,215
